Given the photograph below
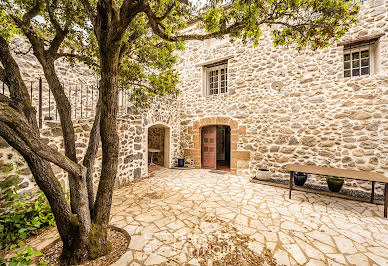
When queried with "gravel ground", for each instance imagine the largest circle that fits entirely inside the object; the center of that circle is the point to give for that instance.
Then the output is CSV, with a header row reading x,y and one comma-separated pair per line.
x,y
119,246
344,191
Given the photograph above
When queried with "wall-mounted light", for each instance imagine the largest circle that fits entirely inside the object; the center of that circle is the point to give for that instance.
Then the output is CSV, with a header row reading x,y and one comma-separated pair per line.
x,y
277,85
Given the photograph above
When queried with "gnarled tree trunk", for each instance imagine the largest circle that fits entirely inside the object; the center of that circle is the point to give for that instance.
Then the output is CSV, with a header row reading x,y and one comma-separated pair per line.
x,y
78,189
40,168
110,148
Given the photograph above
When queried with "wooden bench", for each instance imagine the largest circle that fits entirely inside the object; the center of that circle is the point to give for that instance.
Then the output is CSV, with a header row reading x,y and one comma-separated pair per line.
x,y
353,174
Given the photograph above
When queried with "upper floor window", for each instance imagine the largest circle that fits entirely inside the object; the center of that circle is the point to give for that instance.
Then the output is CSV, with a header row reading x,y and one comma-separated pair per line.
x,y
359,58
357,62
217,78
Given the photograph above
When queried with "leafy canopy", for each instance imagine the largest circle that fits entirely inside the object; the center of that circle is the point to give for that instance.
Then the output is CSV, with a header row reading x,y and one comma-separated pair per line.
x,y
152,39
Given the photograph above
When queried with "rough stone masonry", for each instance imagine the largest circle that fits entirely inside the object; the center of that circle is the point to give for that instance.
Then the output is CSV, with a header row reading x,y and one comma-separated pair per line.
x,y
315,116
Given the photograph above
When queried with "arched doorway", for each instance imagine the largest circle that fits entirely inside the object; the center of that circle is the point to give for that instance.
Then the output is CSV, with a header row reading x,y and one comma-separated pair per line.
x,y
215,147
236,131
158,146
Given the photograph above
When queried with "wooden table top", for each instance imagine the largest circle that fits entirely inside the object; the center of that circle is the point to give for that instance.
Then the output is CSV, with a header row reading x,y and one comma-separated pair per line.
x,y
328,171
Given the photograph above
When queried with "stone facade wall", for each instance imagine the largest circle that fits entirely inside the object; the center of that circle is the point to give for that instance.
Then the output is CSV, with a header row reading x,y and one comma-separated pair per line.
x,y
133,161
31,69
132,124
318,116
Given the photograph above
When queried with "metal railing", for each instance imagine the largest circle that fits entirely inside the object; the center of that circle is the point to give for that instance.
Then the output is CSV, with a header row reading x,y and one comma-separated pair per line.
x,y
83,99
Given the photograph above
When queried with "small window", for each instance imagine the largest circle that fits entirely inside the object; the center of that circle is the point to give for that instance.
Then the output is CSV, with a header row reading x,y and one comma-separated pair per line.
x,y
217,79
359,60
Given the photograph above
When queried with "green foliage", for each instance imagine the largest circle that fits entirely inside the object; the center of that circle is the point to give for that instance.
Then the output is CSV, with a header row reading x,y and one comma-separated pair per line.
x,y
7,27
328,20
309,24
147,62
22,217
304,23
23,257
212,19
147,69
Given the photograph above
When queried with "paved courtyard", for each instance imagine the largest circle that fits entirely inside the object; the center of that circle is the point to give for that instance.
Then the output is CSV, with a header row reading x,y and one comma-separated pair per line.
x,y
175,215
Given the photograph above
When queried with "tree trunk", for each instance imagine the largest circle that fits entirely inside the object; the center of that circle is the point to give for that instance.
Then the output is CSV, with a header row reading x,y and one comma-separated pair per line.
x,y
78,190
110,148
74,248
109,51
91,152
50,186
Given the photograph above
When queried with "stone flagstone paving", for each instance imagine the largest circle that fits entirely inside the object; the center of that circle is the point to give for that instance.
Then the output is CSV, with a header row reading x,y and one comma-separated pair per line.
x,y
173,211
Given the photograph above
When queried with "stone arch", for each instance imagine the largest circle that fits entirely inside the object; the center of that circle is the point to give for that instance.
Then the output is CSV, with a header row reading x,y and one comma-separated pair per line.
x,y
236,132
167,144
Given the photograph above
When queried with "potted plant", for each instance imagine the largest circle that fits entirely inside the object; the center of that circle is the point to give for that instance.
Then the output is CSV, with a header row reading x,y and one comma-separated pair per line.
x,y
300,178
263,174
334,183
181,162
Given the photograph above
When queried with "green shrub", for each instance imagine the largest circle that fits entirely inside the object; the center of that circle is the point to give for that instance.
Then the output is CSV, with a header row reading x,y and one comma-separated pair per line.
x,y
21,217
23,257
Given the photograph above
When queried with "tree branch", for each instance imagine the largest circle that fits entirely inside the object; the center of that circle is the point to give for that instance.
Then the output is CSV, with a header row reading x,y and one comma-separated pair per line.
x,y
157,29
46,181
5,99
140,85
128,10
3,76
36,41
60,33
33,12
23,53
91,152
22,128
123,50
168,11
57,41
89,11
12,77
83,58
52,18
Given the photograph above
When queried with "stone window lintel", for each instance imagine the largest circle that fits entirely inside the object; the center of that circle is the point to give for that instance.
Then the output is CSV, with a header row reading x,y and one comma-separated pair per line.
x,y
361,39
213,61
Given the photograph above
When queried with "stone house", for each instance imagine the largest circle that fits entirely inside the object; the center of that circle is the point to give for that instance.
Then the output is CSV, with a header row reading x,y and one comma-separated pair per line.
x,y
244,108
327,107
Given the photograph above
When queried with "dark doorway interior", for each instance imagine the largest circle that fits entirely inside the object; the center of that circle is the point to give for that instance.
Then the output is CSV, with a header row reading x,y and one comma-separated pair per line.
x,y
223,148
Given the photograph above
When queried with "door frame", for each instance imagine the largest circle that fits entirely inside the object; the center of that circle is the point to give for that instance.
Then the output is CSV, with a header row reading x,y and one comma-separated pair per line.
x,y
193,152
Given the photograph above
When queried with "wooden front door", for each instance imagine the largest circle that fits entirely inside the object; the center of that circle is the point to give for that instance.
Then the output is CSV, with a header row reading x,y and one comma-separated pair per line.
x,y
209,147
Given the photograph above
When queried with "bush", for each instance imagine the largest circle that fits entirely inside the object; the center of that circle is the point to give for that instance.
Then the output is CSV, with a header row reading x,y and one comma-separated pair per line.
x,y
21,217
23,257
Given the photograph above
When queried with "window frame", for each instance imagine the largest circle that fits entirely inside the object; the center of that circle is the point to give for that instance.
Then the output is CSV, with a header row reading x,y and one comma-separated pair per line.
x,y
218,67
370,47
